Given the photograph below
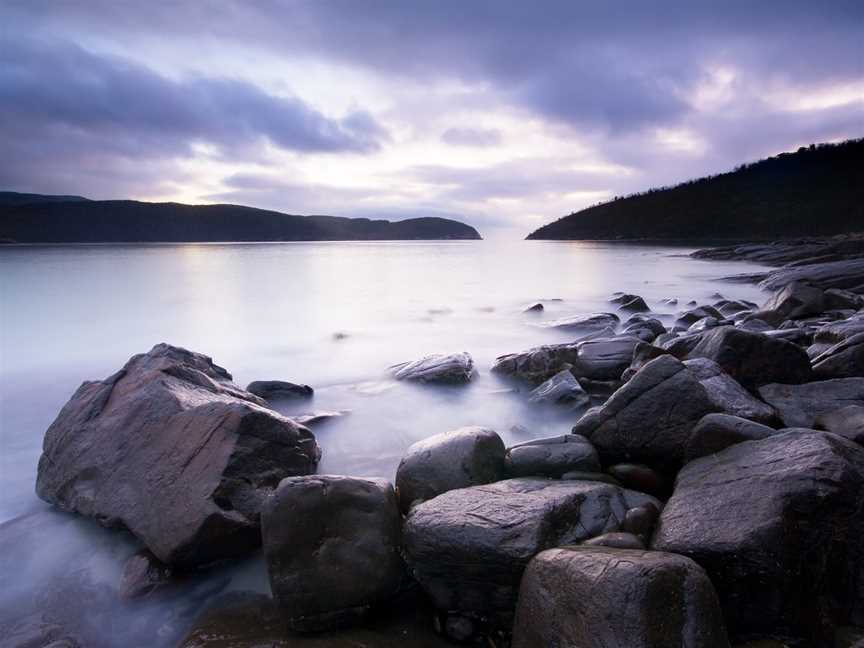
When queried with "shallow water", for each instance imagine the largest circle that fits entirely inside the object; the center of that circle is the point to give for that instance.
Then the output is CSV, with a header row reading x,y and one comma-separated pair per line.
x,y
272,311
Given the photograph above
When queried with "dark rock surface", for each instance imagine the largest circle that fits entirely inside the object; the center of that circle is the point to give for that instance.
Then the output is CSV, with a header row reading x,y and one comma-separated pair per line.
x,y
727,394
617,540
641,520
279,389
143,574
552,459
776,524
468,547
843,360
171,449
614,598
847,422
453,368
561,389
800,405
469,456
640,478
585,324
716,432
796,300
332,548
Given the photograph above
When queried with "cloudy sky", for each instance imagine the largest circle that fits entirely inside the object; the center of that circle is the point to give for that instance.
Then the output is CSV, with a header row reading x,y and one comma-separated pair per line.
x,y
503,114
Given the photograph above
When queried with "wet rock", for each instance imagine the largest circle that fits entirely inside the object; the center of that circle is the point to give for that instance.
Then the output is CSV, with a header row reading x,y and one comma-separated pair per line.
x,y
453,368
538,364
641,520
755,326
597,596
846,273
561,389
585,324
650,418
468,547
631,303
318,418
534,308
552,459
730,308
836,299
726,394
843,360
704,324
617,540
467,456
645,328
796,300
776,524
830,334
846,421
171,449
143,574
753,359
640,478
690,317
577,475
279,390
800,405
680,345
332,548
642,355
716,432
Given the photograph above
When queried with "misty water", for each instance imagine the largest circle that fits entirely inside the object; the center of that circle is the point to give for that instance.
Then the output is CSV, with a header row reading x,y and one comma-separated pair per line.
x,y
331,315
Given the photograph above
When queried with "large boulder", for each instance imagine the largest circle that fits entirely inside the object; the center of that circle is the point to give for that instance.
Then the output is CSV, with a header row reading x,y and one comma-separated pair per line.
x,y
847,422
172,450
451,368
469,547
843,360
538,364
844,273
650,418
726,394
561,389
616,598
604,358
797,300
800,405
716,432
645,328
777,524
332,548
585,324
468,456
279,390
828,335
552,457
753,359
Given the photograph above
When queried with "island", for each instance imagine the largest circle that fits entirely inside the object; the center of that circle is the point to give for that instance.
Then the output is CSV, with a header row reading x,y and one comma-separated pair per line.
x,y
36,218
815,191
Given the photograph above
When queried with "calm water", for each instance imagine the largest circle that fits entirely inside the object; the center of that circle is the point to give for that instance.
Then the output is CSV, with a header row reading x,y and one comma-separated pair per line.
x,y
271,311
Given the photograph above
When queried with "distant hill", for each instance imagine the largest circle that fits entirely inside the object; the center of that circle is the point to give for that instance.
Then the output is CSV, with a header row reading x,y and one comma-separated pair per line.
x,y
15,198
78,220
818,190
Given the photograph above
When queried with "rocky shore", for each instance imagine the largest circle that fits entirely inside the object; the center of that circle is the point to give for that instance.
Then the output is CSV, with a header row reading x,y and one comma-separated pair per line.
x,y
710,493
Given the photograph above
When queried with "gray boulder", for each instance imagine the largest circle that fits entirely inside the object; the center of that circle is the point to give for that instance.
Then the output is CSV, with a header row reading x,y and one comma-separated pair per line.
x,y
716,432
468,548
604,358
843,360
846,421
690,317
797,300
552,457
170,449
279,390
561,389
614,598
467,456
753,359
800,405
650,418
726,394
845,273
617,540
777,525
585,324
645,328
452,368
538,364
332,548
828,335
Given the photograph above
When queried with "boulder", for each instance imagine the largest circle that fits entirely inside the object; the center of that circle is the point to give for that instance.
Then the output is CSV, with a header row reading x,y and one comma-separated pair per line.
x,y
730,308
641,520
538,364
844,273
534,308
777,524
800,405
468,548
836,299
332,548
561,389
753,359
716,432
645,328
797,300
689,317
143,574
604,358
650,418
616,539
726,394
704,324
846,421
452,368
632,304
467,456
640,478
279,390
172,450
843,360
586,324
828,335
552,457
614,598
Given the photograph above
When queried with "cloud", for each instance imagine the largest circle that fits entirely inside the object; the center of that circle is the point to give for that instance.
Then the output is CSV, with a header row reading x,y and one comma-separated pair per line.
x,y
471,137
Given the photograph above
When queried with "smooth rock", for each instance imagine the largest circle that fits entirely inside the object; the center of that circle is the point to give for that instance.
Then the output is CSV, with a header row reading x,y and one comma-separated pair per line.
x,y
468,547
776,524
643,479
278,389
171,449
800,405
689,317
534,308
573,453
645,328
585,324
561,389
616,598
797,300
143,574
452,368
468,456
641,520
726,394
577,475
617,540
843,360
846,421
332,548
318,418
716,432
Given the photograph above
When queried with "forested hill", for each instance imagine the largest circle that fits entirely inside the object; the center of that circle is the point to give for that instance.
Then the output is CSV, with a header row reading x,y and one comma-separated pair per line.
x,y
817,190
78,220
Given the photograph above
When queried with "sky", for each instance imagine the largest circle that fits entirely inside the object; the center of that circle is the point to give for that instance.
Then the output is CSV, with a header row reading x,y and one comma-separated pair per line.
x,y
503,114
